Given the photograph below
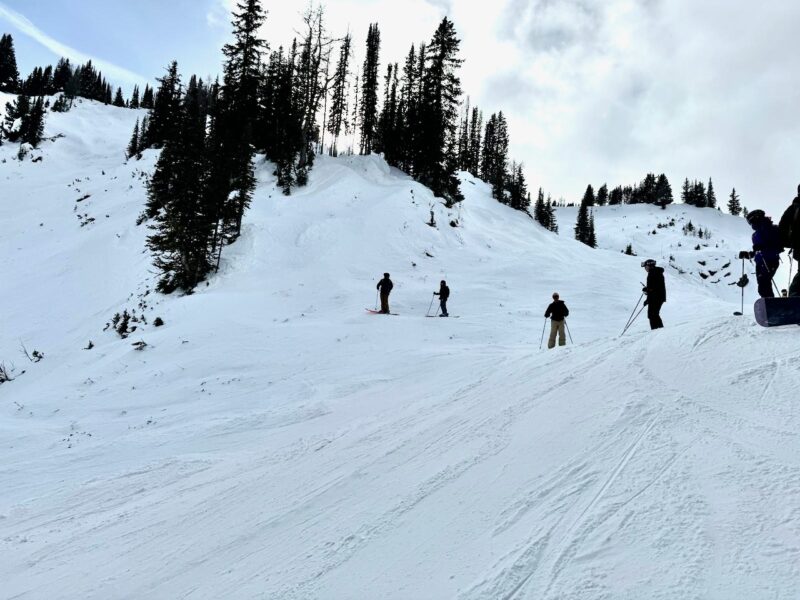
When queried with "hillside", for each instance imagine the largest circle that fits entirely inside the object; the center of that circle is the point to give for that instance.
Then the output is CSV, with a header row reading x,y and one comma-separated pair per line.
x,y
274,440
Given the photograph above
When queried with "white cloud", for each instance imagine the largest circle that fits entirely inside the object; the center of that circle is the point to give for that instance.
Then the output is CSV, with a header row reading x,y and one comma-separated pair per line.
x,y
110,70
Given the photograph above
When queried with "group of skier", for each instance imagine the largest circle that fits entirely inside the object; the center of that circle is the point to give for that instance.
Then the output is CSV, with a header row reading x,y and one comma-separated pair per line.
x,y
769,242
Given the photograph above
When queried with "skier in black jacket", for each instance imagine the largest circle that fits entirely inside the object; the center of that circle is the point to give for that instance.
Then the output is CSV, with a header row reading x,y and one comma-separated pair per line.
x,y
790,237
557,312
656,291
444,294
385,286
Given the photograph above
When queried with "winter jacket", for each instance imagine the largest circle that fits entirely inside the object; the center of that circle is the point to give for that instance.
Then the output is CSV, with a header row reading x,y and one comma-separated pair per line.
x,y
557,311
385,285
443,293
767,240
789,228
656,289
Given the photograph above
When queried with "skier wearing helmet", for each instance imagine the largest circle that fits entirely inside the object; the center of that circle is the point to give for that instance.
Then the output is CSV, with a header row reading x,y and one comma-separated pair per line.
x,y
656,291
767,249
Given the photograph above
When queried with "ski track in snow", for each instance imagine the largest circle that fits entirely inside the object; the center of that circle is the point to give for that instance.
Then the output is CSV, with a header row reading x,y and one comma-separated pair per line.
x,y
273,441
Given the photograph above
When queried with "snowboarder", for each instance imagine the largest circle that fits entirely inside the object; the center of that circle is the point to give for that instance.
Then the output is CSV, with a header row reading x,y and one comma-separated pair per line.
x,y
444,294
790,237
385,286
767,249
656,291
557,312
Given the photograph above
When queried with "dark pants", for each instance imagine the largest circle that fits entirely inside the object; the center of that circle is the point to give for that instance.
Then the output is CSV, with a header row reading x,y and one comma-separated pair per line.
x,y
765,271
443,307
794,288
385,303
653,310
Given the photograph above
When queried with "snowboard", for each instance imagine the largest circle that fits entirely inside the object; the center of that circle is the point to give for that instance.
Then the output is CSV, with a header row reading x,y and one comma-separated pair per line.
x,y
377,312
773,312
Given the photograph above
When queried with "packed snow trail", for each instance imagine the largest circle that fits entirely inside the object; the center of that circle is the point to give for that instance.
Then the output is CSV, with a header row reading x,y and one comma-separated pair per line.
x,y
275,441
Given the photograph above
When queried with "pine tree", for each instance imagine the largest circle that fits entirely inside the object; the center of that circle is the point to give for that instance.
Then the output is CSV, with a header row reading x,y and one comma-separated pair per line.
x,y
615,197
540,210
166,109
339,107
475,142
62,75
699,194
517,189
663,192
9,74
711,197
147,98
552,224
686,193
591,240
133,145
588,197
16,114
602,195
369,90
180,240
119,101
734,205
135,98
32,128
439,114
582,232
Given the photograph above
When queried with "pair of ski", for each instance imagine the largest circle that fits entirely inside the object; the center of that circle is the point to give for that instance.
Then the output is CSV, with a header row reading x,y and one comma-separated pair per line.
x,y
377,312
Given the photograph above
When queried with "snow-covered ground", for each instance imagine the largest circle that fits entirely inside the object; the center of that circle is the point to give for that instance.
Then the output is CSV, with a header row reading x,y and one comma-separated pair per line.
x,y
274,440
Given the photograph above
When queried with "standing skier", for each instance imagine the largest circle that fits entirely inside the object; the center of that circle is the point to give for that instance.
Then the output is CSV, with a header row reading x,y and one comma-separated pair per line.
x,y
767,249
790,238
557,312
385,286
656,291
444,294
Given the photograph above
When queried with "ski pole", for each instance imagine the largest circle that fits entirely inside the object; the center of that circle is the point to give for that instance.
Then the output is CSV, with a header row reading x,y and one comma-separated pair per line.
x,y
791,264
628,324
568,332
742,284
428,314
376,300
541,342
633,321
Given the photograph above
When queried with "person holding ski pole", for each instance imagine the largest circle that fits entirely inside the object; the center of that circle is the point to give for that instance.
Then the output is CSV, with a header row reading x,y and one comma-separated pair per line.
x,y
767,250
385,286
557,312
656,291
790,238
444,294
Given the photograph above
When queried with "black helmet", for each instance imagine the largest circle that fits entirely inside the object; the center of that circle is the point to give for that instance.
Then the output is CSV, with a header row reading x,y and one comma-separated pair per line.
x,y
386,275
754,216
649,263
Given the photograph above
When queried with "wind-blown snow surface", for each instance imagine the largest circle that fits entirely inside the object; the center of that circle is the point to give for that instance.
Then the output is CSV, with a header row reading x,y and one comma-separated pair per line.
x,y
276,441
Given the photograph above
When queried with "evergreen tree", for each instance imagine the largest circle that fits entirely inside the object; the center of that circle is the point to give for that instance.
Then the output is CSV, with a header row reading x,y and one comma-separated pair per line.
x,y
686,192
148,98
166,109
475,142
711,197
540,210
180,240
591,240
734,205
588,197
699,197
439,114
615,196
582,225
552,224
408,111
16,114
32,127
9,74
517,188
62,75
119,101
339,107
133,145
135,98
369,90
663,192
602,195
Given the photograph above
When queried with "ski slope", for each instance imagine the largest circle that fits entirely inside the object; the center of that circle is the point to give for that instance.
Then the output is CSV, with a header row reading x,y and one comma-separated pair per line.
x,y
274,440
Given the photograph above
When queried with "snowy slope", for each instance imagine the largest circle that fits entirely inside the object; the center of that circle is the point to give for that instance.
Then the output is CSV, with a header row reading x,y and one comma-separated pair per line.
x,y
276,441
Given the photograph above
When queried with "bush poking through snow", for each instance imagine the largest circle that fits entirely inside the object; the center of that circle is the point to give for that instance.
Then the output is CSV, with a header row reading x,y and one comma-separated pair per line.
x,y
5,373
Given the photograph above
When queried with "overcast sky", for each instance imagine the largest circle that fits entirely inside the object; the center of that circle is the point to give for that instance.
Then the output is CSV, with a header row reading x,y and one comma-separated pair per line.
x,y
595,90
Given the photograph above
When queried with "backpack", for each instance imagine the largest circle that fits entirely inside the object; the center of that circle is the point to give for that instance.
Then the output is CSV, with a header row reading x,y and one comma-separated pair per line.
x,y
790,227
